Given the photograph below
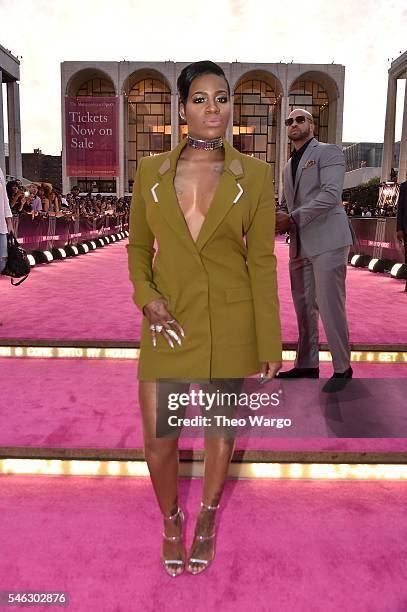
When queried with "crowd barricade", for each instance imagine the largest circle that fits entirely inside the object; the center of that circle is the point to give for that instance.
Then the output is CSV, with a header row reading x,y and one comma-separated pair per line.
x,y
45,233
376,237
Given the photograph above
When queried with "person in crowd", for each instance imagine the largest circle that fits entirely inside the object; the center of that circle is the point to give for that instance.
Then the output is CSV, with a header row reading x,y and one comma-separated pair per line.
x,y
54,207
210,303
6,220
401,226
75,192
320,237
27,206
16,196
64,203
35,199
120,207
44,192
110,208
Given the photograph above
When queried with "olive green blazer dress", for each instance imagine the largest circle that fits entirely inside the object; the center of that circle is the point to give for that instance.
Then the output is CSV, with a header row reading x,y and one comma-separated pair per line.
x,y
222,288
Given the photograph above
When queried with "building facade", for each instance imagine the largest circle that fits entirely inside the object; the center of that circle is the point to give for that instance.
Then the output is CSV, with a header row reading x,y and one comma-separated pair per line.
x,y
39,167
10,74
148,105
397,71
368,154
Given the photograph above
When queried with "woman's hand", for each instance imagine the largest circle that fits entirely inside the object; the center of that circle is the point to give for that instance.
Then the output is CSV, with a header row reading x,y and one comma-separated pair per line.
x,y
269,370
162,322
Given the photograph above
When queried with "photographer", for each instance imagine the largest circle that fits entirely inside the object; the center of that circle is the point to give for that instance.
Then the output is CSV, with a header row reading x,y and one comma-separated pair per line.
x,y
16,196
6,224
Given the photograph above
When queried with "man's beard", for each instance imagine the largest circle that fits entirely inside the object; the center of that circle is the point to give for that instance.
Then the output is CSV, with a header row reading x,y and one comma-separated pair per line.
x,y
299,135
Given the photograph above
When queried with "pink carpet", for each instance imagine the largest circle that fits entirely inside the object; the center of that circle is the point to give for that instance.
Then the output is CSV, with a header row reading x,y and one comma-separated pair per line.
x,y
93,404
297,546
89,297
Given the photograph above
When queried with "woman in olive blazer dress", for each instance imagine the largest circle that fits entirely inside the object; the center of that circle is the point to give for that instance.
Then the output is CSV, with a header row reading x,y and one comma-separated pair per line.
x,y
221,289
212,288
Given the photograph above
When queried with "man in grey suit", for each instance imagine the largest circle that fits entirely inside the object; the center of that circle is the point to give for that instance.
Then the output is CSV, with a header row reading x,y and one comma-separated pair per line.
x,y
320,236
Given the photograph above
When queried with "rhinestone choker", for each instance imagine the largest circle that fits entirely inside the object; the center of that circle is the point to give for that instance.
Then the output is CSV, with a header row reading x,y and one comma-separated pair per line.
x,y
207,145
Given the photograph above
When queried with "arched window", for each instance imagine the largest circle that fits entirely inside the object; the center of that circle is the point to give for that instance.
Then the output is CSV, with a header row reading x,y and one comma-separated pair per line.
x,y
255,119
312,96
149,121
96,87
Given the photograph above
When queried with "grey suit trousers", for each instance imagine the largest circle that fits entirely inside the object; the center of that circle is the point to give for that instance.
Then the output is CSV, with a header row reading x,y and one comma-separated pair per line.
x,y
318,287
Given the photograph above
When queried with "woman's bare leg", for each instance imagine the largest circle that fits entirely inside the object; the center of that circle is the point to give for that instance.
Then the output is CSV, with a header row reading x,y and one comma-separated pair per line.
x,y
162,459
218,454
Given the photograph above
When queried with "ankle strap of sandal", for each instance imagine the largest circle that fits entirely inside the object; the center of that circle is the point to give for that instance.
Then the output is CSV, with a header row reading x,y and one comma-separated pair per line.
x,y
172,517
209,507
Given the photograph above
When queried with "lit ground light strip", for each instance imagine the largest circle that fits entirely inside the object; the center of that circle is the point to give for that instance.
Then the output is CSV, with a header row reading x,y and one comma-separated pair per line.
x,y
274,471
63,352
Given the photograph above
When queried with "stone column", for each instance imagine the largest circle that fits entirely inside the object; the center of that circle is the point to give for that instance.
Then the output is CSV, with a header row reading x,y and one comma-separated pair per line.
x,y
403,144
66,180
121,182
232,85
283,144
389,129
174,117
14,129
2,155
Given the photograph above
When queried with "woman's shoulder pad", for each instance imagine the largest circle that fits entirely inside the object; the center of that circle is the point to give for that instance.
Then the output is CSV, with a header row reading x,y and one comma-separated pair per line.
x,y
152,161
253,164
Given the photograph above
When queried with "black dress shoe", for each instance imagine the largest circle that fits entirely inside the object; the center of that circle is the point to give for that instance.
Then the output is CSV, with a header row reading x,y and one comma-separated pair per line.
x,y
338,381
300,373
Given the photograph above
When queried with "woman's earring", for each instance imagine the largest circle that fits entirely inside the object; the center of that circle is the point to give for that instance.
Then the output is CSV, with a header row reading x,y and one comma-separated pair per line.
x,y
182,116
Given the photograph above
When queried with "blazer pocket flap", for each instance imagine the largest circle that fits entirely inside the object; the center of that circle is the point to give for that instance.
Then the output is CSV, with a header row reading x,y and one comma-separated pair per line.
x,y
238,294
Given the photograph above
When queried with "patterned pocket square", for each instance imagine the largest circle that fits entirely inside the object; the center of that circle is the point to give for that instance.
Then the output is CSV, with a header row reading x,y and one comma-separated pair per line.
x,y
309,163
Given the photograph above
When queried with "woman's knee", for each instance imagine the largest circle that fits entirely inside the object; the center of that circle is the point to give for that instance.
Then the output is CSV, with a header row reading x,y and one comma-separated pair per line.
x,y
160,448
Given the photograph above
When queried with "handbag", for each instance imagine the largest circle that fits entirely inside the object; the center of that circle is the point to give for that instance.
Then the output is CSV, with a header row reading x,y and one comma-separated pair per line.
x,y
17,264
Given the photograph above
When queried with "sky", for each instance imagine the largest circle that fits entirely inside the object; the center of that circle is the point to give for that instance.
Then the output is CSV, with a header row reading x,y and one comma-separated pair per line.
x,y
363,35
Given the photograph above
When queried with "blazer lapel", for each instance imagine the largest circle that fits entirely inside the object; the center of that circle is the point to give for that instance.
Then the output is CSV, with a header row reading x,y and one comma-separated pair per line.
x,y
305,157
288,183
164,195
228,194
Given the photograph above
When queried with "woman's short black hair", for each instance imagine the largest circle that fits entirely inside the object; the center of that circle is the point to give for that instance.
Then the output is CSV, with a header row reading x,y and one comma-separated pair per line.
x,y
9,187
196,69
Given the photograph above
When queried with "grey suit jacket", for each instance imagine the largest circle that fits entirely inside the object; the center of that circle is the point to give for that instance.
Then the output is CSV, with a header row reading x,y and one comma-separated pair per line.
x,y
315,201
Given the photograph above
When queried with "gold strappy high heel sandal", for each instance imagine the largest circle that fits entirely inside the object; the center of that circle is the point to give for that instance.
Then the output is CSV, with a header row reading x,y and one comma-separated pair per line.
x,y
204,563
171,562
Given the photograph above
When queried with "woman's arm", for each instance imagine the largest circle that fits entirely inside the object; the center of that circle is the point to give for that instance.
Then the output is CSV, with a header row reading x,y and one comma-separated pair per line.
x,y
9,223
140,249
21,203
13,202
262,267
